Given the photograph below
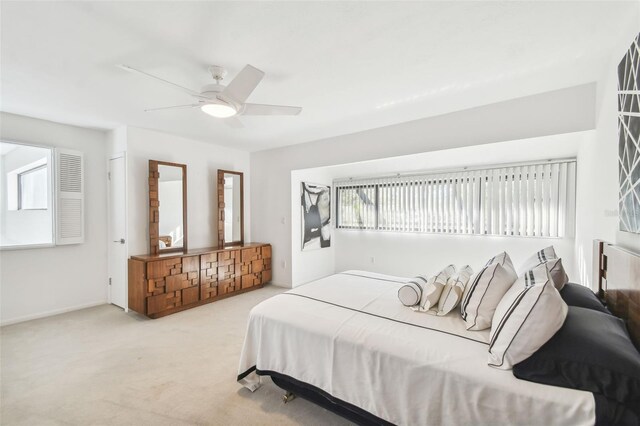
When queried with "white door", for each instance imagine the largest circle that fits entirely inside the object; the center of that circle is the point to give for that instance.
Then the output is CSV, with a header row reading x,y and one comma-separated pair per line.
x,y
117,232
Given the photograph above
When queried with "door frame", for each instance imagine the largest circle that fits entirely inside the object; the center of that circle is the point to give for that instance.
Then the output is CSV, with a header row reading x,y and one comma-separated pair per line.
x,y
115,156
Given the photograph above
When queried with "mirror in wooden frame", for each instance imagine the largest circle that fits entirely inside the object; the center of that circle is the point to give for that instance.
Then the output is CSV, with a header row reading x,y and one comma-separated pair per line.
x,y
230,208
167,207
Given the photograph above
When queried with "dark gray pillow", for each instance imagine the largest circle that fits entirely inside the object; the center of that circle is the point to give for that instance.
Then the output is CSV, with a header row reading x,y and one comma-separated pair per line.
x,y
591,352
583,297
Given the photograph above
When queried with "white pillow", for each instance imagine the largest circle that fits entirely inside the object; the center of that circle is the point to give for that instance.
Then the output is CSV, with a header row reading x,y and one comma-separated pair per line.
x,y
528,315
433,288
453,291
557,273
483,295
410,293
538,258
504,260
554,265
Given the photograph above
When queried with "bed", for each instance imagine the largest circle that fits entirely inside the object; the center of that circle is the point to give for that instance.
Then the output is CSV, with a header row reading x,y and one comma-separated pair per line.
x,y
346,343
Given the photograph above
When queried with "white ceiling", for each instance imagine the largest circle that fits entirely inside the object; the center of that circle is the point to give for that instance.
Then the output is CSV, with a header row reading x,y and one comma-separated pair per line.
x,y
352,65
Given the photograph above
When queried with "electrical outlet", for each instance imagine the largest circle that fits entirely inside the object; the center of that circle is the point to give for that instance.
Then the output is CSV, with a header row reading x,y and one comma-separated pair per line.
x,y
284,264
282,220
372,259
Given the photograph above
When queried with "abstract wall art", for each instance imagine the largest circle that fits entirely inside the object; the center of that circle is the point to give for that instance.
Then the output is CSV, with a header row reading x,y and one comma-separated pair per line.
x,y
629,138
315,203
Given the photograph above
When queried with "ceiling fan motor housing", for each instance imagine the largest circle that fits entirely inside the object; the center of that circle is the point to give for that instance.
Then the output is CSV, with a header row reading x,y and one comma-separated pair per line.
x,y
211,90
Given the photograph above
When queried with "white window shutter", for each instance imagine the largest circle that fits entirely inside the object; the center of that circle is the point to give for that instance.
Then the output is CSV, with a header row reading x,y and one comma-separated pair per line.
x,y
69,169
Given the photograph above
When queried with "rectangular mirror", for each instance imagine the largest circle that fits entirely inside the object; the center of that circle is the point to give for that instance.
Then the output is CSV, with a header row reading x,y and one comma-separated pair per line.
x,y
167,206
230,208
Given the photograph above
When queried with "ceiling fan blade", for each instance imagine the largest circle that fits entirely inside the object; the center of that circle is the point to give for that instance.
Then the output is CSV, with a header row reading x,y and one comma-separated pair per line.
x,y
243,84
172,107
259,109
160,79
233,122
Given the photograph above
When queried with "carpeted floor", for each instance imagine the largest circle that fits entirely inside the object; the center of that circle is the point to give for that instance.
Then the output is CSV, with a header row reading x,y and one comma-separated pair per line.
x,y
102,366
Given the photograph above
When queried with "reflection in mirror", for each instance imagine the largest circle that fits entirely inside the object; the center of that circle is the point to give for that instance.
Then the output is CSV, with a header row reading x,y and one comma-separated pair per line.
x,y
232,210
171,232
25,195
167,207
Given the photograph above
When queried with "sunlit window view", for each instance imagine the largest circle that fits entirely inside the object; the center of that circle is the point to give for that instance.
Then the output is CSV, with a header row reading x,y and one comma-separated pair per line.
x,y
26,205
530,200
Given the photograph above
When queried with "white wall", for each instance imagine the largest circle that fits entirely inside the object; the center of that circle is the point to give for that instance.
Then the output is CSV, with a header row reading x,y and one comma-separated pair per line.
x,y
557,112
408,254
598,163
311,264
45,281
203,160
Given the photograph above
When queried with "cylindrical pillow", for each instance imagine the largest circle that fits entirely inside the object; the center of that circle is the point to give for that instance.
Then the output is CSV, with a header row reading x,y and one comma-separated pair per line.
x,y
410,293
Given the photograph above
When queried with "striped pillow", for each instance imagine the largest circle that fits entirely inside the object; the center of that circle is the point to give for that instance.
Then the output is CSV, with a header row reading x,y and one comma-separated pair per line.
x,y
557,273
539,258
483,295
433,288
503,259
410,293
528,315
452,292
554,265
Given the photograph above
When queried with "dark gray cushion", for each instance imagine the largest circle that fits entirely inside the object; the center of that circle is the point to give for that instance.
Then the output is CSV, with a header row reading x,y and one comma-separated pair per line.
x,y
591,352
581,296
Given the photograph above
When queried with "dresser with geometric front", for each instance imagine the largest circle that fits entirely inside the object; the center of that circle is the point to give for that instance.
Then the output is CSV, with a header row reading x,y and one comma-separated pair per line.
x,y
163,284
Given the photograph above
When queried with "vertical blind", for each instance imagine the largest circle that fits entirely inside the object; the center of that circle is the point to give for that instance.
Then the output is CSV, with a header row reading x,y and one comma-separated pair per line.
x,y
536,200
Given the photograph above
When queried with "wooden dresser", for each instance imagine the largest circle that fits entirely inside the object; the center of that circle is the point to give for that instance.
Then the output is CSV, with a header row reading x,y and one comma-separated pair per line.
x,y
163,284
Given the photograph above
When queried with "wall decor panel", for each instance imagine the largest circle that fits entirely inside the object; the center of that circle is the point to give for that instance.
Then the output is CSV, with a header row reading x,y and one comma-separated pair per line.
x,y
629,138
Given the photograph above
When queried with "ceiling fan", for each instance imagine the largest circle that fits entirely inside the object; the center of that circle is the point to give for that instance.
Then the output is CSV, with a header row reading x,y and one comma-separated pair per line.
x,y
227,101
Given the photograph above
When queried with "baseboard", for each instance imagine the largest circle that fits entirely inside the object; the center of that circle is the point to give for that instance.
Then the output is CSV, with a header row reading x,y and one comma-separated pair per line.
x,y
51,313
280,285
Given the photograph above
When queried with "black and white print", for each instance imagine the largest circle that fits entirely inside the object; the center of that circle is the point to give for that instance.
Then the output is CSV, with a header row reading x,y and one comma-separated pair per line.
x,y
629,138
315,204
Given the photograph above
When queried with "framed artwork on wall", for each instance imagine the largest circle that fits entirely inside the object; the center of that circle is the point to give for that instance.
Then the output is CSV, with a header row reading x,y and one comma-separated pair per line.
x,y
315,204
629,139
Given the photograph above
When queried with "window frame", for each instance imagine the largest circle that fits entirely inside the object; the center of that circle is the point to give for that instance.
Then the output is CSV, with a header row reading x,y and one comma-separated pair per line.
x,y
485,199
19,186
51,191
376,205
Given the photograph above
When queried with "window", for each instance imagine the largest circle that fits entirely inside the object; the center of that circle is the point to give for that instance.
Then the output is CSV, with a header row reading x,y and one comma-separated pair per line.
x,y
32,189
26,187
514,200
27,191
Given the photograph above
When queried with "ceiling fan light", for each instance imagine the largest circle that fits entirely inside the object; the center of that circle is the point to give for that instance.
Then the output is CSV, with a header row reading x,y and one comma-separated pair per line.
x,y
219,110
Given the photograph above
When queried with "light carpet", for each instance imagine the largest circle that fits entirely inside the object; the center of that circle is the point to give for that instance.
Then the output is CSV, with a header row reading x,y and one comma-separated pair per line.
x,y
102,366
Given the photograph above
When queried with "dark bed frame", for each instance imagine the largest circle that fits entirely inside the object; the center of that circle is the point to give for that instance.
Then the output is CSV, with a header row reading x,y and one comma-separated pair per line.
x,y
316,395
617,276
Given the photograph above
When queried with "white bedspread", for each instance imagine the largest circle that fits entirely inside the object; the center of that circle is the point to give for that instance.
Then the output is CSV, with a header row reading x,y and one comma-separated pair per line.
x,y
348,335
